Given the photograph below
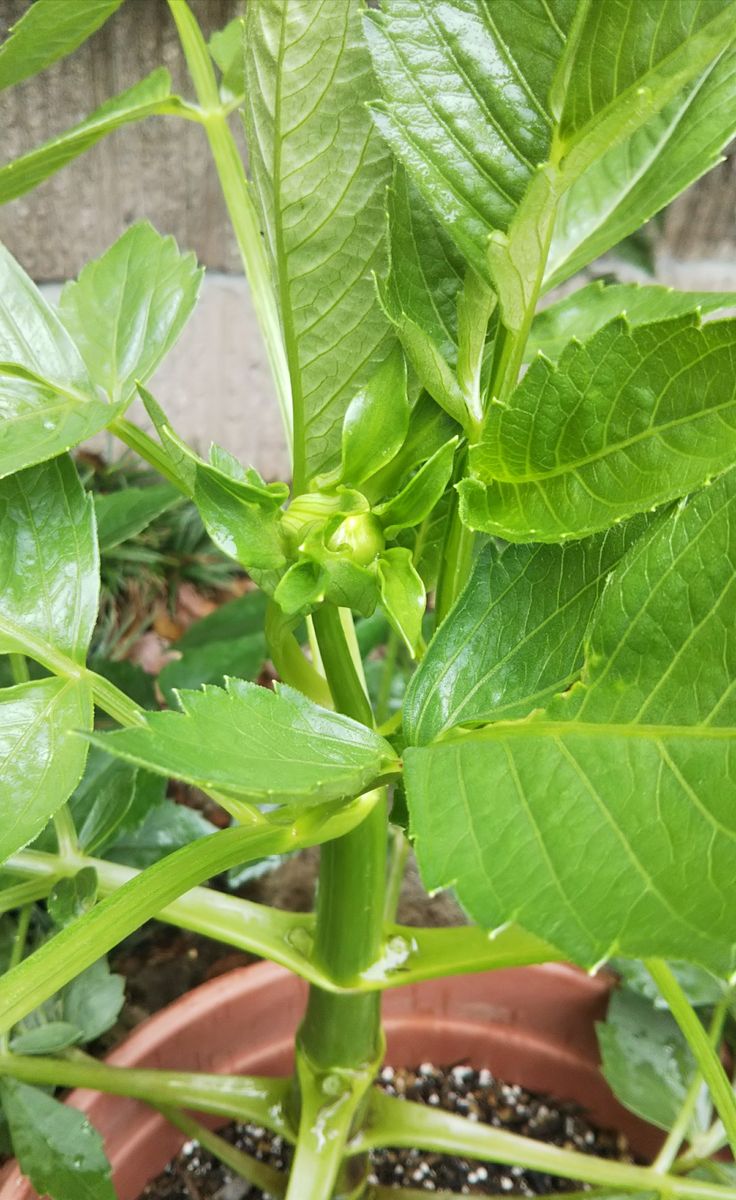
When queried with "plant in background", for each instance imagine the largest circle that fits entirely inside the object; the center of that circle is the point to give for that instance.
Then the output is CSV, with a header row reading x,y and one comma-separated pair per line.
x,y
421,175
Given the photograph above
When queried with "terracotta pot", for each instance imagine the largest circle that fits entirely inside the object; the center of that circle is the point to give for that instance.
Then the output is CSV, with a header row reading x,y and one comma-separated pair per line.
x,y
531,1025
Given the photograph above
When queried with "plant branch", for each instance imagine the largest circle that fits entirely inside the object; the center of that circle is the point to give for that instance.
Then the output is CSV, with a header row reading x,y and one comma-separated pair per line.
x,y
706,1056
249,1168
241,209
84,941
240,1097
394,1122
681,1126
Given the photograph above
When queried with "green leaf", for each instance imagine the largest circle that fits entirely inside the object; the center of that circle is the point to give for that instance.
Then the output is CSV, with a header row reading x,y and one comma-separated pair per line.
x,y
628,63
40,760
242,656
49,1038
49,577
702,989
93,1000
466,103
584,312
637,178
376,422
645,1058
48,31
226,48
237,618
320,170
128,307
516,634
605,824
150,97
122,515
301,588
47,399
633,418
166,828
419,496
72,896
402,596
251,743
55,1145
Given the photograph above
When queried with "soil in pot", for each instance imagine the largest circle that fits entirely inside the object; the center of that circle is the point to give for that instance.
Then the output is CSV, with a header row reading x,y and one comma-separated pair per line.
x,y
195,1175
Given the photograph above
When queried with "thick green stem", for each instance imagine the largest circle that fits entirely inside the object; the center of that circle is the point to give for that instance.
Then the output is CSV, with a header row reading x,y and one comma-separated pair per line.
x,y
346,685
706,1056
241,1097
456,561
240,206
393,1122
19,668
66,833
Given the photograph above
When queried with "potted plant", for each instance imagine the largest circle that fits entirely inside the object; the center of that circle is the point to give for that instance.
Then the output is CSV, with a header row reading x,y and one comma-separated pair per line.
x,y
420,176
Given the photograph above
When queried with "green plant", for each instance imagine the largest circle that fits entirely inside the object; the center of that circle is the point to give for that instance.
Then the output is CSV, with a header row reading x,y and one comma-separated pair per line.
x,y
423,174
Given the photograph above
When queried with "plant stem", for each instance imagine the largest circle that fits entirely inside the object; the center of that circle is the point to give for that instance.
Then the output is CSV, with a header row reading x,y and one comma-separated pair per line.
x,y
92,935
681,1126
456,560
16,954
147,449
706,1056
66,834
26,893
115,703
398,853
242,1097
258,1173
241,209
346,685
387,674
393,1122
19,668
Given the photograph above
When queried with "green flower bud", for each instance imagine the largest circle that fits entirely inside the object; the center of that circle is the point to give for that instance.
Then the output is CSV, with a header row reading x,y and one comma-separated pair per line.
x,y
361,535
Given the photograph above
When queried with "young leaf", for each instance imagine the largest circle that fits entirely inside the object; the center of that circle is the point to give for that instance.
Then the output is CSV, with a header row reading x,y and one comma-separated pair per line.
x,y
150,97
251,743
320,170
40,760
92,1001
226,48
424,490
48,31
49,1038
645,1058
633,418
376,422
122,515
55,1145
127,308
49,578
516,634
584,312
72,896
402,596
609,824
47,399
636,179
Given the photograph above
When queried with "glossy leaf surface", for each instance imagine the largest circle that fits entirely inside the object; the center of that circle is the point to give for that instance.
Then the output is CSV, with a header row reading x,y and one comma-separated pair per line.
x,y
150,97
423,491
645,1058
55,1145
251,743
584,312
41,761
48,402
629,420
320,170
636,178
376,422
402,595
516,634
466,103
48,31
605,823
123,514
128,307
49,577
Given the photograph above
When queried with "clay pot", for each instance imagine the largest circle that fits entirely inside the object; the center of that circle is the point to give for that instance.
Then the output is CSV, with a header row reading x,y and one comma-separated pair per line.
x,y
529,1025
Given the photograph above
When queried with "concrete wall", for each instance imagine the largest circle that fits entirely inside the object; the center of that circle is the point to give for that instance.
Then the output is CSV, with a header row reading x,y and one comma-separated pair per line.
x,y
216,383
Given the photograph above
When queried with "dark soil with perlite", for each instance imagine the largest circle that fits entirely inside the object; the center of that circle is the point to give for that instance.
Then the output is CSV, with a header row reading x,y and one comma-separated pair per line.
x,y
196,1175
